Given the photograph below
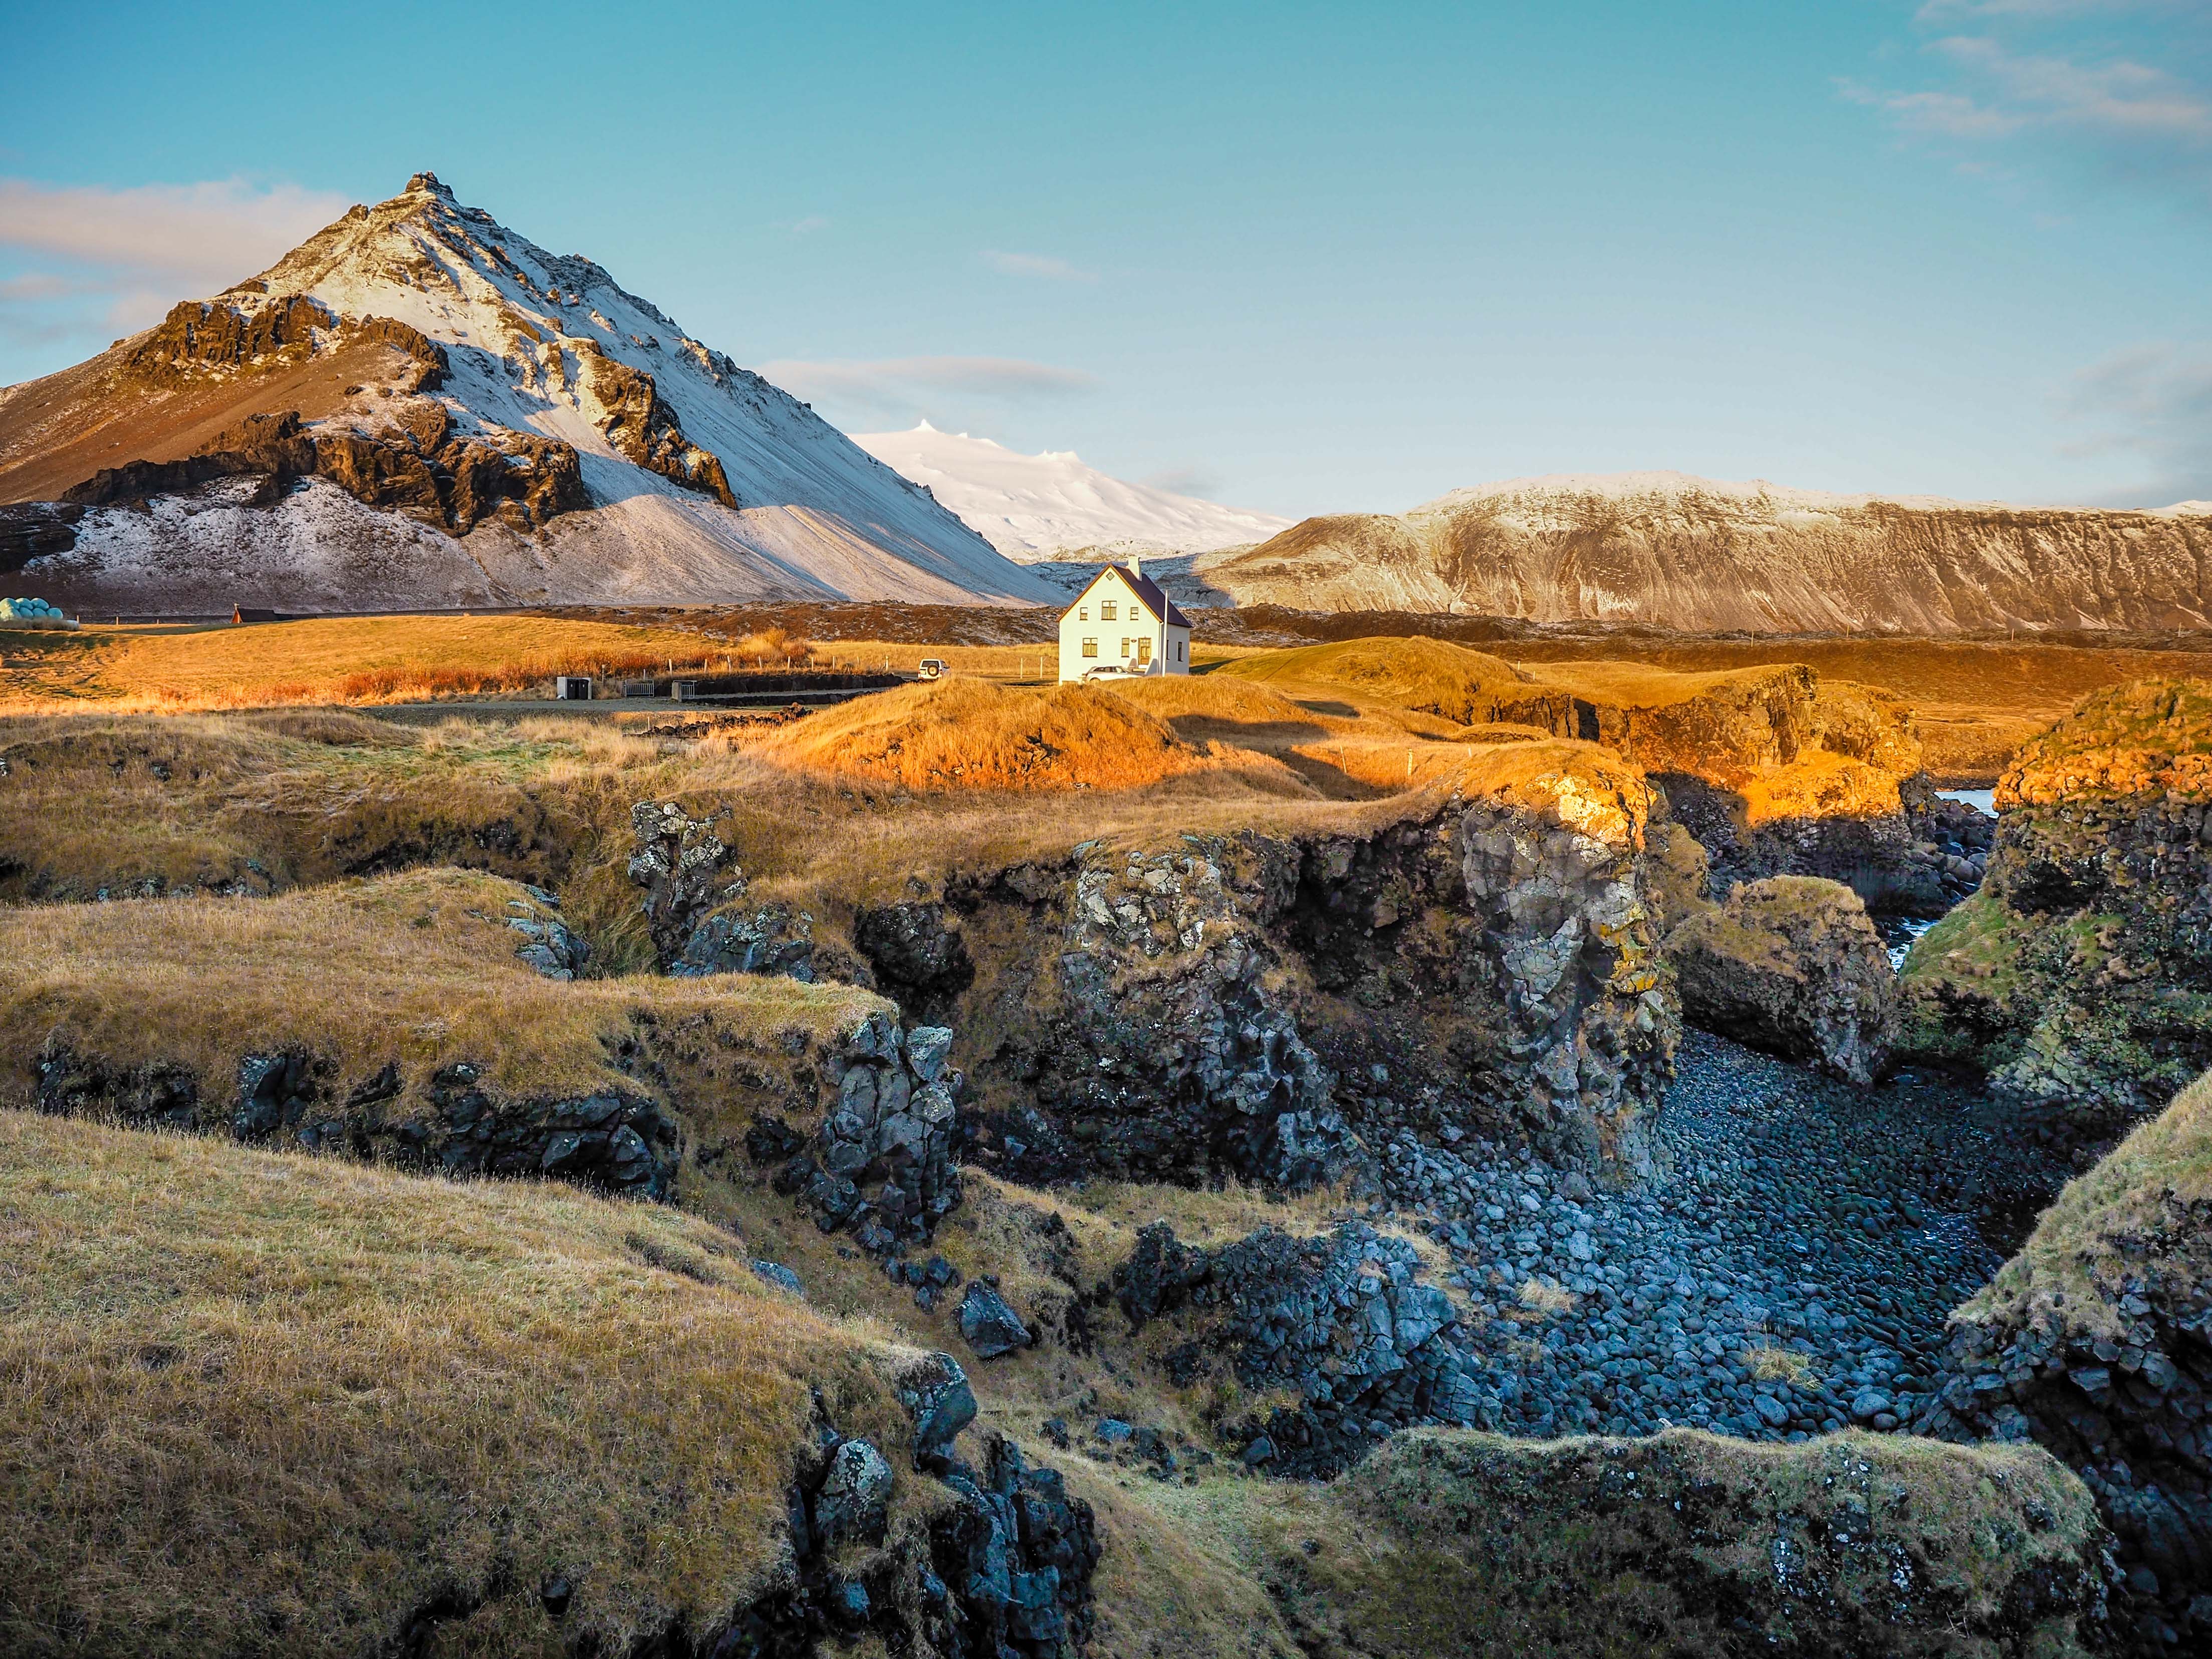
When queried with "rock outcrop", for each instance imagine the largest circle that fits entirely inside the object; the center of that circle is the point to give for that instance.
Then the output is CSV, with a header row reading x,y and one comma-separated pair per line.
x,y
1842,1547
1345,1320
211,337
880,1166
642,428
461,1123
2079,977
1222,1004
415,463
1792,965
2096,1340
1001,1567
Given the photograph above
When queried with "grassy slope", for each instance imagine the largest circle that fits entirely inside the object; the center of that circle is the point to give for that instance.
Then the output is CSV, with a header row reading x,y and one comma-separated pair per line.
x,y
2141,1204
418,967
262,1404
329,659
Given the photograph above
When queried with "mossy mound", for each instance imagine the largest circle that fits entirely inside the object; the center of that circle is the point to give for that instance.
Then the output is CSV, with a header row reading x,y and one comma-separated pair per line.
x,y
2093,1338
1850,1546
1792,964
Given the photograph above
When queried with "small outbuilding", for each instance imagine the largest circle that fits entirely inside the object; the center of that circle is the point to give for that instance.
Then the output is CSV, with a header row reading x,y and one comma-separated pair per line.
x,y
1123,621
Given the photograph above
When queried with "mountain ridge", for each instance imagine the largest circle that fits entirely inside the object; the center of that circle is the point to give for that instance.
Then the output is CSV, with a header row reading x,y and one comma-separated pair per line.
x,y
1672,550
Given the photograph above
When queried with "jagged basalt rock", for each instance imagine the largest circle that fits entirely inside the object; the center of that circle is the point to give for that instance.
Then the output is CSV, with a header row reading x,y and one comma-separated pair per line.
x,y
881,1166
33,530
1343,1320
460,1123
695,914
417,465
1002,1569
644,429
1792,964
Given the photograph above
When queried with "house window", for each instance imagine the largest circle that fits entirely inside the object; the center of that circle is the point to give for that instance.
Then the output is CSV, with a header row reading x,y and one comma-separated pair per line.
x,y
1083,613
1090,647
1178,656
1107,610
1144,650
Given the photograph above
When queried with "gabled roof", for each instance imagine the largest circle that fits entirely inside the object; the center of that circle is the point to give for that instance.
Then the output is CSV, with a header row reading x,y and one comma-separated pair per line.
x,y
1148,591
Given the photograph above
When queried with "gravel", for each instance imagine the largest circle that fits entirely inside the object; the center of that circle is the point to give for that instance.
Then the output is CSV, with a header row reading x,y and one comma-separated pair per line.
x,y
1791,1274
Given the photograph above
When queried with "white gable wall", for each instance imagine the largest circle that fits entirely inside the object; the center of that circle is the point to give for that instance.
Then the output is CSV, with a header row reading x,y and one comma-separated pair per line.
x,y
1111,626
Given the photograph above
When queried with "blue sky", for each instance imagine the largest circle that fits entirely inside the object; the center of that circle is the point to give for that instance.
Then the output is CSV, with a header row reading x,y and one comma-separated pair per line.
x,y
1303,258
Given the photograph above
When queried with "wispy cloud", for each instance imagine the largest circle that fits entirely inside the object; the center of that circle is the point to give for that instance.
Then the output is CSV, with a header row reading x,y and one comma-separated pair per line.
x,y
861,394
92,262
809,225
1036,265
1197,481
1941,114
2154,403
2062,82
210,233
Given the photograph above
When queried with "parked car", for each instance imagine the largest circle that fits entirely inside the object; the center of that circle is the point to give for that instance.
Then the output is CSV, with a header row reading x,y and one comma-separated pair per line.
x,y
1111,671
933,668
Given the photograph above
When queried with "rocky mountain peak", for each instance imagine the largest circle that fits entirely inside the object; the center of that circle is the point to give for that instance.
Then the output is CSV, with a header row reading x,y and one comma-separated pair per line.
x,y
427,184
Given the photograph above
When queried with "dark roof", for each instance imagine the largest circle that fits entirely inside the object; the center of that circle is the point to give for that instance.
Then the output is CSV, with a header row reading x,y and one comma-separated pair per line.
x,y
1149,592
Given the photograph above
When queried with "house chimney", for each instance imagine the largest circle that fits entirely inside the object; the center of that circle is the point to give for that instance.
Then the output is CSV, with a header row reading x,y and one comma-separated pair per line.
x,y
1137,566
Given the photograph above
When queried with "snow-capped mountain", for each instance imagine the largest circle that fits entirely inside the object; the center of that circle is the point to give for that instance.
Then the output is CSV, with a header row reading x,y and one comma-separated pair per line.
x,y
1678,552
419,407
1035,507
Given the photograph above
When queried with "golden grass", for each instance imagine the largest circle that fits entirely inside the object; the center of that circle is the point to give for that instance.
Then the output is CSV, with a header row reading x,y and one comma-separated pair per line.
x,y
1641,685
964,733
1410,672
1545,1299
336,660
417,969
262,1403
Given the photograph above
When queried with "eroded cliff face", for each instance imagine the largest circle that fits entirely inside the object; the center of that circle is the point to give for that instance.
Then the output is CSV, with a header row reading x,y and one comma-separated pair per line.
x,y
1247,1004
2079,979
1691,553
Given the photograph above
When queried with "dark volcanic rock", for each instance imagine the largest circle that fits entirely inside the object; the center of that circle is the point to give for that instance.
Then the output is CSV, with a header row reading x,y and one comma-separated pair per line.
x,y
2080,978
417,466
990,1326
1344,1320
461,1124
2096,1341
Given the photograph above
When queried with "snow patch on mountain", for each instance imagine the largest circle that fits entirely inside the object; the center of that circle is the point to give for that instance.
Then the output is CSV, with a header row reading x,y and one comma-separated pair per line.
x,y
1043,507
706,482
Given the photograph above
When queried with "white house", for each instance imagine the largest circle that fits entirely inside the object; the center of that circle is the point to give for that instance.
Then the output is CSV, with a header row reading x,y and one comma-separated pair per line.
x,y
1122,620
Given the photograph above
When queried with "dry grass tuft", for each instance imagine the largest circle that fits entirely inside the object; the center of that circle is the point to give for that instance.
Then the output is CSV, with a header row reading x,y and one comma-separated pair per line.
x,y
1545,1299
1768,1362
